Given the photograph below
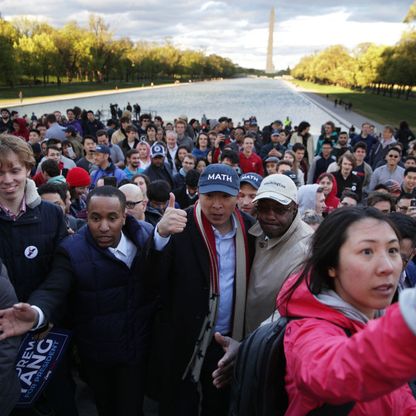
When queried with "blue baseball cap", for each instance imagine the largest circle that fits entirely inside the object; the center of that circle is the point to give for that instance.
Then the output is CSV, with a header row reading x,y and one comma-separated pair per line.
x,y
157,150
252,179
219,178
102,148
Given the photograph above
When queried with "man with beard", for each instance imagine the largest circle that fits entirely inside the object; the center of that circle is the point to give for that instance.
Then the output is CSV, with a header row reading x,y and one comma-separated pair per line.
x,y
132,163
6,123
158,169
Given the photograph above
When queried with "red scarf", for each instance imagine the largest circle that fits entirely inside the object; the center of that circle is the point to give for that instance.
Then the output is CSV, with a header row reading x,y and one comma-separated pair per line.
x,y
240,283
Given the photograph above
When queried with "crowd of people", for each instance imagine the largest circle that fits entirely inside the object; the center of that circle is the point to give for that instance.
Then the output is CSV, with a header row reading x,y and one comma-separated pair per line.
x,y
162,245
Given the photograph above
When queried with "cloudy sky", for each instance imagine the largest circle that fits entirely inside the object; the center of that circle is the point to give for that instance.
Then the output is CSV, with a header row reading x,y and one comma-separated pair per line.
x,y
237,29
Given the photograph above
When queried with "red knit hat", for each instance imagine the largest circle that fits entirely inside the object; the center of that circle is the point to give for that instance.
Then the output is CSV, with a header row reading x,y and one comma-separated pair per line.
x,y
78,177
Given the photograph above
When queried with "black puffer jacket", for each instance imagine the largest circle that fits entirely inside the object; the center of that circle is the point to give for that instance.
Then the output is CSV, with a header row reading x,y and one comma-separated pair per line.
x,y
111,305
27,244
10,386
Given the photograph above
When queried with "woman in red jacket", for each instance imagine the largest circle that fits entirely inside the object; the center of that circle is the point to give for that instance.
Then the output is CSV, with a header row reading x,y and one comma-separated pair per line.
x,y
349,281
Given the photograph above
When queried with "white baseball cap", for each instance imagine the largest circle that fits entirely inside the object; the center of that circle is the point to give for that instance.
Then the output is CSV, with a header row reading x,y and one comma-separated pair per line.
x,y
278,187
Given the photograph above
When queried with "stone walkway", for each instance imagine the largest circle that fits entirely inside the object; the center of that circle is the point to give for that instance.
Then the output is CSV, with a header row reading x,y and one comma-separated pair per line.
x,y
338,114
10,103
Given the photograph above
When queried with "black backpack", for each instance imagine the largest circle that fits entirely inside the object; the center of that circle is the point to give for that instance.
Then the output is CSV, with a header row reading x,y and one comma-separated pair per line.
x,y
258,387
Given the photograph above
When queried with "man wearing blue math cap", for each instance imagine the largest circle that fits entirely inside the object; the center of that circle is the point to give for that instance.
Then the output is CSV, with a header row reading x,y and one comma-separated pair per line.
x,y
203,281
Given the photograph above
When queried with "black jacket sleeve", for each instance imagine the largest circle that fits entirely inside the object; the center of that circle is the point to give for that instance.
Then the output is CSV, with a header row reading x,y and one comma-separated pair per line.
x,y
51,296
10,386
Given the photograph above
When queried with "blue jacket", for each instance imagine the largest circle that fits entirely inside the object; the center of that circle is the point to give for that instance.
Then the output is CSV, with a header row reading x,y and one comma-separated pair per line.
x,y
111,170
111,305
411,273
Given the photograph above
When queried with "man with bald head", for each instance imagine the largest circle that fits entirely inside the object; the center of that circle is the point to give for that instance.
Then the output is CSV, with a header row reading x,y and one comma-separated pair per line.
x,y
135,201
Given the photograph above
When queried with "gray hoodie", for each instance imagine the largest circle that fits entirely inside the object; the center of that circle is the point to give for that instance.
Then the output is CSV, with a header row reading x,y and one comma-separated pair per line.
x,y
307,197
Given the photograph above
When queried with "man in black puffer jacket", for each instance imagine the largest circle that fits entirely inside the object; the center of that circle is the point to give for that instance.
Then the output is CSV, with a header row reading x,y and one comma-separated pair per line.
x,y
111,300
30,231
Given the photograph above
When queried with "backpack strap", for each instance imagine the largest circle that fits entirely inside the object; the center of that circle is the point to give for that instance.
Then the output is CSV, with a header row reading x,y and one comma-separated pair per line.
x,y
332,409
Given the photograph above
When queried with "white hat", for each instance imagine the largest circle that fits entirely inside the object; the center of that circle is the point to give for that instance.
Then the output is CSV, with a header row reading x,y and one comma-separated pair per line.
x,y
278,187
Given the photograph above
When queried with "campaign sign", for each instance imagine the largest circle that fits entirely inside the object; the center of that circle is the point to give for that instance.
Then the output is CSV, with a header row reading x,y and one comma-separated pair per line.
x,y
36,362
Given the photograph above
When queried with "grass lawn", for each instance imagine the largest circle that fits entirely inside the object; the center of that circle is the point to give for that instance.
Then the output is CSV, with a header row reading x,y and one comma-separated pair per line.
x,y
11,95
383,109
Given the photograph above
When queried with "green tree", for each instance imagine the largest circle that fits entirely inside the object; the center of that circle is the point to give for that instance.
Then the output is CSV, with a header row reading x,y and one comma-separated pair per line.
x,y
369,60
9,66
101,48
91,53
411,14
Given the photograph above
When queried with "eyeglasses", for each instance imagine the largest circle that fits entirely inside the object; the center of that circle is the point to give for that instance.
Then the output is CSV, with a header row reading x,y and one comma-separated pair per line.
x,y
403,209
132,204
394,156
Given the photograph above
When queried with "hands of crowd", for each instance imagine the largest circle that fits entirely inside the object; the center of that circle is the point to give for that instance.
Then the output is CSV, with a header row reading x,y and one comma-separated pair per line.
x,y
17,320
218,140
275,153
173,220
412,212
223,375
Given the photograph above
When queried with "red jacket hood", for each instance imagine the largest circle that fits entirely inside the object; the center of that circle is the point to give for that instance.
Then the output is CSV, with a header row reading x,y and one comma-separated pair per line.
x,y
303,304
23,130
331,201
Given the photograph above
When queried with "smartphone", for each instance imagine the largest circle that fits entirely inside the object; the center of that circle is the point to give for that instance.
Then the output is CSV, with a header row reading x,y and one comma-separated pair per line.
x,y
413,202
110,181
71,153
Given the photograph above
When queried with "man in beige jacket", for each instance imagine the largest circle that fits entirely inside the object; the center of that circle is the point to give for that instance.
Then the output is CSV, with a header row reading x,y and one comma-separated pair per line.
x,y
282,242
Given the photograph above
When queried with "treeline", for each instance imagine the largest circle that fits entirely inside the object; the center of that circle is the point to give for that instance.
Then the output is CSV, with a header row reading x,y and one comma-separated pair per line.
x,y
34,52
384,69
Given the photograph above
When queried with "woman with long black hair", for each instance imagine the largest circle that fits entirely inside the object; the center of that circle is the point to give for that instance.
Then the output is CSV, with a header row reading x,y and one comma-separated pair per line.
x,y
347,286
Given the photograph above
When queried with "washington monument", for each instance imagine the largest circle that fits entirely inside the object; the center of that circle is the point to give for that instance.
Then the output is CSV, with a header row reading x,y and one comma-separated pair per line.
x,y
269,62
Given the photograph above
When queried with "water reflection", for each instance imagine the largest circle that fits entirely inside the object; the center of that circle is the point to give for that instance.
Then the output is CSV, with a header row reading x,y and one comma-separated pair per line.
x,y
268,99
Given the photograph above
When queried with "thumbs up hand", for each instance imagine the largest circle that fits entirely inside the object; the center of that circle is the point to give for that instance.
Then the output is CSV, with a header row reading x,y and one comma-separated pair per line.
x,y
171,203
173,220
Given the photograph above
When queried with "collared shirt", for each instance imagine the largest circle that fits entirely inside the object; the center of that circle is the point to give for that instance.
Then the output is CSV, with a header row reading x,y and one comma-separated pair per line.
x,y
11,215
192,197
388,142
172,153
225,246
125,250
